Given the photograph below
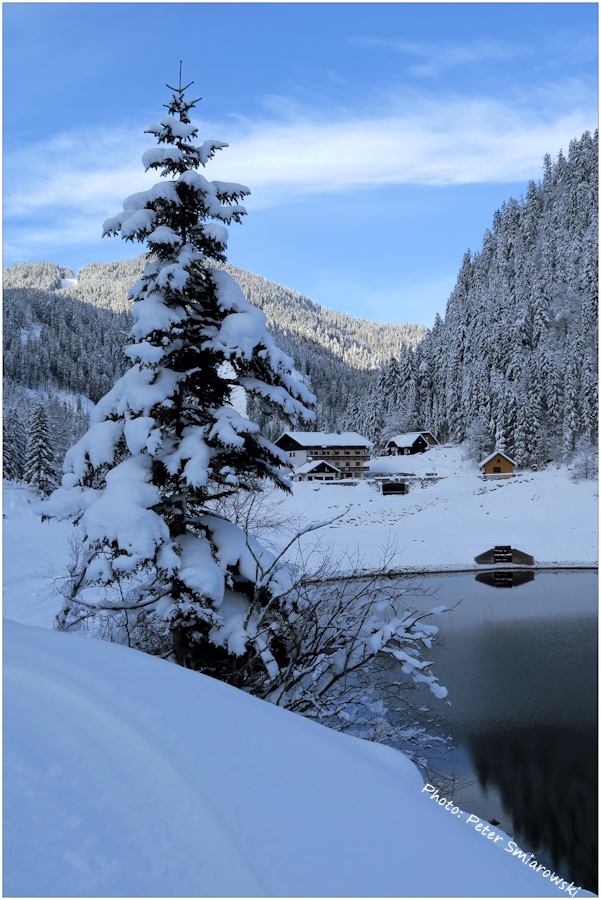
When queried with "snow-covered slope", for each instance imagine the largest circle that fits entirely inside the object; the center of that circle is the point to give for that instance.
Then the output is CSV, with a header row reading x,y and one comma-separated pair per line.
x,y
126,775
33,552
445,525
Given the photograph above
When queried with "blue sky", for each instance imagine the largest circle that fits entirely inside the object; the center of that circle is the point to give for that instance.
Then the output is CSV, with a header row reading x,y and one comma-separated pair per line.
x,y
377,139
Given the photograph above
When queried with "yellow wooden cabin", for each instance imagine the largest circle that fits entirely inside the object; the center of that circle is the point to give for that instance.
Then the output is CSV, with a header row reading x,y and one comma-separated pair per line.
x,y
498,463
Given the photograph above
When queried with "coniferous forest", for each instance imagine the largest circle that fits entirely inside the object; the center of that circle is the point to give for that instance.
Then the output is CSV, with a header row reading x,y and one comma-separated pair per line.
x,y
513,364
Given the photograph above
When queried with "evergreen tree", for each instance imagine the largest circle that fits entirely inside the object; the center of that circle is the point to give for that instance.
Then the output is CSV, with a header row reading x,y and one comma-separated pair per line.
x,y
40,471
13,450
166,444
570,416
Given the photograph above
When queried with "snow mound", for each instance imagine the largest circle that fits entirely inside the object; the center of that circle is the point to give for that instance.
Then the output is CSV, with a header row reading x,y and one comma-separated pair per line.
x,y
441,461
126,775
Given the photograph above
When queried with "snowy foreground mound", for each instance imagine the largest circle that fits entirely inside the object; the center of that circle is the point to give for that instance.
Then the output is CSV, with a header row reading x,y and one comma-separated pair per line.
x,y
128,776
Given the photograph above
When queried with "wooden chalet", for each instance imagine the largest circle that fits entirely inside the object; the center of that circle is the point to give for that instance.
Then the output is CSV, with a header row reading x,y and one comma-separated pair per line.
x,y
348,451
406,444
498,463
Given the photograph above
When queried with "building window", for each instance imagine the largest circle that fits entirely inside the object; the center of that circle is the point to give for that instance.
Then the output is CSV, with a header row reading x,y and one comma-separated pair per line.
x,y
496,470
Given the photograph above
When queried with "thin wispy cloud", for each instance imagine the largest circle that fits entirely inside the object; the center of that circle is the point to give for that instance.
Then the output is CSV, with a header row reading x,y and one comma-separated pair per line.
x,y
74,181
437,56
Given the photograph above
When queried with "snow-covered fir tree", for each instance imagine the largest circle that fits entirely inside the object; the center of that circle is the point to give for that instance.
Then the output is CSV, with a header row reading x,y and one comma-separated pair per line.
x,y
166,443
40,469
13,445
156,484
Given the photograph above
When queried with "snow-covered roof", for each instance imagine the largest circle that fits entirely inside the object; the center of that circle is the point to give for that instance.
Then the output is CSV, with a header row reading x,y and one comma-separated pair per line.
x,y
321,439
497,453
308,467
406,440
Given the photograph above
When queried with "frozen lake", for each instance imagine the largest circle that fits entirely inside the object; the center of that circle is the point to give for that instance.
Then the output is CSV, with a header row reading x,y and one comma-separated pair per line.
x,y
520,664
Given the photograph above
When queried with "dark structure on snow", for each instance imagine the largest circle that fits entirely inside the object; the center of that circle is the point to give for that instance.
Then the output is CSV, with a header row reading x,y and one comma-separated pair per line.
x,y
504,554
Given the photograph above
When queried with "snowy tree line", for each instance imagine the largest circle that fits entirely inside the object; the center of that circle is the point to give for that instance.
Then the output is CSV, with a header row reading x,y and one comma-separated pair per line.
x,y
38,429
513,365
52,344
43,276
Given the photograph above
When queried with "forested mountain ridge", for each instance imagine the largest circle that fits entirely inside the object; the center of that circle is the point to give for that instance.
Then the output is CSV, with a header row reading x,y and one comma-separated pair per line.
x,y
513,364
359,342
74,333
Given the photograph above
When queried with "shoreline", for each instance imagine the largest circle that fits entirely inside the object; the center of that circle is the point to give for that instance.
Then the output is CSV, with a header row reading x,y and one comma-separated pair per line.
x,y
461,569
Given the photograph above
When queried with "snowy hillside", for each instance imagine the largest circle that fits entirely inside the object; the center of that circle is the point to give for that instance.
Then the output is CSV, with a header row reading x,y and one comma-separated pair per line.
x,y
126,775
513,364
444,525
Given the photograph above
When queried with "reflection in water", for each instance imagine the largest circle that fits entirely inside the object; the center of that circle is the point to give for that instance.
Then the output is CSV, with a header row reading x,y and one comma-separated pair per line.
x,y
506,578
547,781
521,667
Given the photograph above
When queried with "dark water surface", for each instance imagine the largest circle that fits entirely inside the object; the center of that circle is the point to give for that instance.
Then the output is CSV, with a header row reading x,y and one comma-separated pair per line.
x,y
520,664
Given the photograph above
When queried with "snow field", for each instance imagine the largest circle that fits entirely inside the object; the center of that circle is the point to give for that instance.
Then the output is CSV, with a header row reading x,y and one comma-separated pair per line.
x,y
446,524
126,775
32,551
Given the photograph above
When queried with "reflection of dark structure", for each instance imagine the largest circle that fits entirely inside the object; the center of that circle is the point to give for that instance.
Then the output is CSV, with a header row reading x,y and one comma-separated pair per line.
x,y
507,578
504,554
547,779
